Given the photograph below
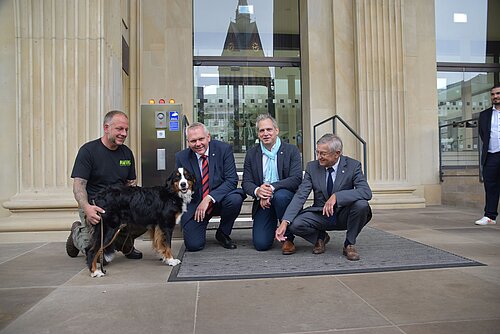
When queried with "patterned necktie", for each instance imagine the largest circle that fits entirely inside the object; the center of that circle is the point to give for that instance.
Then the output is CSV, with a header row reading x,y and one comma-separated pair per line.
x,y
204,181
329,182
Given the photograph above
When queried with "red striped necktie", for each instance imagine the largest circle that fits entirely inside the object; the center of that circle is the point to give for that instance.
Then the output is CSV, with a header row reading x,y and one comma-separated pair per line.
x,y
204,181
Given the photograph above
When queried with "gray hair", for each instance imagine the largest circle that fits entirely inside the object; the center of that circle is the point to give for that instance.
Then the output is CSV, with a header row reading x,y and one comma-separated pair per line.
x,y
108,118
334,142
263,117
197,125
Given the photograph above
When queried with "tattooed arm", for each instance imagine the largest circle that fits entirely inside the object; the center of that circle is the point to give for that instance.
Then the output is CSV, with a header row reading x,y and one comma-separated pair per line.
x,y
80,193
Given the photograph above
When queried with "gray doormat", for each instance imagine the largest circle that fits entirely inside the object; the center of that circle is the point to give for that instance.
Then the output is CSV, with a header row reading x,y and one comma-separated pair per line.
x,y
379,251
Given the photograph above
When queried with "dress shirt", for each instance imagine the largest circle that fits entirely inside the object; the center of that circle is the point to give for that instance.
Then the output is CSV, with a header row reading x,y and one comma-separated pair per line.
x,y
200,164
334,173
494,146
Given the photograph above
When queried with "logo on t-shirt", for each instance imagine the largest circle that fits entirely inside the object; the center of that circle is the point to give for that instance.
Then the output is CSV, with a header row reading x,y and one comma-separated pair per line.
x,y
125,163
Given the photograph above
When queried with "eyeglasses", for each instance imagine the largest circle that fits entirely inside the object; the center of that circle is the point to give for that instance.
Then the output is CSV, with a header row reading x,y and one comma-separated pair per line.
x,y
323,154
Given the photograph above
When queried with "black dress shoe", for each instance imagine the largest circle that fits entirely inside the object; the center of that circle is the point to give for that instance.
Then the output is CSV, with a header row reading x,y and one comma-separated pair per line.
x,y
224,240
134,255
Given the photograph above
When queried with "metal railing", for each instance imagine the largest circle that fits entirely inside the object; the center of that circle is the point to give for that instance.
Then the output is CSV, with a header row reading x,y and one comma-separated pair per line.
x,y
334,119
185,124
460,147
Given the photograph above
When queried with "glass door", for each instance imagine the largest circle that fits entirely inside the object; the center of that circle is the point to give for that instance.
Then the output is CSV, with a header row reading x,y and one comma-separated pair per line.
x,y
228,100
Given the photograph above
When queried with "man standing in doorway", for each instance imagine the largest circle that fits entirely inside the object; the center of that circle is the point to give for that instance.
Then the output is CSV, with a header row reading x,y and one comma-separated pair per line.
x,y
489,132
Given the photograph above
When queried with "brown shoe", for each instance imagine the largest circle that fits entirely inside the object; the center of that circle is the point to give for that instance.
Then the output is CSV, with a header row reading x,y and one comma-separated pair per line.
x,y
351,253
319,247
288,248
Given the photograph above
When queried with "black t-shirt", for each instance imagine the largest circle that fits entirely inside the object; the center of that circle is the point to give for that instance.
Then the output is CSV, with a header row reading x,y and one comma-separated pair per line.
x,y
101,166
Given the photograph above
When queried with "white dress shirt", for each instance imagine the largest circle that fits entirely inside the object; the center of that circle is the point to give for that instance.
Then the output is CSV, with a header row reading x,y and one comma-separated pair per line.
x,y
494,146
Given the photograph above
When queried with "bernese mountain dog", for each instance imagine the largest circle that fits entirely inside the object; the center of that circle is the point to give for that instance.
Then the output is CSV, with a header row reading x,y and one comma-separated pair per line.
x,y
157,208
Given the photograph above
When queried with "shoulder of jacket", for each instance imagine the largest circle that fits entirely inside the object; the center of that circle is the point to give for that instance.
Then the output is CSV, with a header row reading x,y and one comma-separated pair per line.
x,y
348,160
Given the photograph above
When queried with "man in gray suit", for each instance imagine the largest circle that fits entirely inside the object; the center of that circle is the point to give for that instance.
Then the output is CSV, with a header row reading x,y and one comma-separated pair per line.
x,y
341,196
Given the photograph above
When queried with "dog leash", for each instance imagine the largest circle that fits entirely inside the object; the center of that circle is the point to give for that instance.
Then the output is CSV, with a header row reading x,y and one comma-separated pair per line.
x,y
101,250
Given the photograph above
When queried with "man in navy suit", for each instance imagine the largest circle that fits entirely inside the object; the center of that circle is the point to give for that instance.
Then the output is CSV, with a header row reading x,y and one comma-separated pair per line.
x,y
272,173
489,131
223,198
341,196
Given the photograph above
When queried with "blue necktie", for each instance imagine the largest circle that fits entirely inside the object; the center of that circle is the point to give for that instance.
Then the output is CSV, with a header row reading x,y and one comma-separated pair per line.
x,y
329,183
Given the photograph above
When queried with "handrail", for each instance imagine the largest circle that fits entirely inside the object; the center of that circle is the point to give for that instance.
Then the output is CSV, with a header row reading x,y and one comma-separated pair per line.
x,y
334,129
185,124
468,123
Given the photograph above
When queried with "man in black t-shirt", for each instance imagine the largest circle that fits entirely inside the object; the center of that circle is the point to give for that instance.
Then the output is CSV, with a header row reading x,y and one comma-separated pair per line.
x,y
99,163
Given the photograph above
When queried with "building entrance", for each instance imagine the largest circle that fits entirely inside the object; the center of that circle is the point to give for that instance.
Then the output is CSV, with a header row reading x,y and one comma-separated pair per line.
x,y
228,100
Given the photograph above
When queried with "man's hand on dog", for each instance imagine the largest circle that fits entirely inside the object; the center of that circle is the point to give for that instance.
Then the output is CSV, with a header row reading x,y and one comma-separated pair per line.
x,y
92,214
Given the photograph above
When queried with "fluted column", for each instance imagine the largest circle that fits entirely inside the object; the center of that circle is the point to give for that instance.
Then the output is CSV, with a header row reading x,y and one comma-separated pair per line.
x,y
380,68
383,119
68,76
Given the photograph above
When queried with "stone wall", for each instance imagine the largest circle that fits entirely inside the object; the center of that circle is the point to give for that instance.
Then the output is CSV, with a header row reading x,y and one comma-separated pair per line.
x,y
461,187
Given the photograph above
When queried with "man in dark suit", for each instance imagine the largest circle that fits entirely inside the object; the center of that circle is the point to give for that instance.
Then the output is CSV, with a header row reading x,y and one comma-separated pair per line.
x,y
489,132
341,196
272,173
215,193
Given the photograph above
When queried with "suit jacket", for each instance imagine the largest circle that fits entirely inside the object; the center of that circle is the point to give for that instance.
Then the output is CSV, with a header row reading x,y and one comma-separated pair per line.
x,y
289,170
221,173
350,185
484,131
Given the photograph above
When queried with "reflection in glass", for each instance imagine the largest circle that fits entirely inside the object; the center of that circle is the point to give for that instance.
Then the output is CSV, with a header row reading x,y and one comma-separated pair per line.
x,y
461,97
229,99
253,28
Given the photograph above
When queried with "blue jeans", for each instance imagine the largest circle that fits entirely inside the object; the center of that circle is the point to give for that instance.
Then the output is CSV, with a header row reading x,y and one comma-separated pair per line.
x,y
265,220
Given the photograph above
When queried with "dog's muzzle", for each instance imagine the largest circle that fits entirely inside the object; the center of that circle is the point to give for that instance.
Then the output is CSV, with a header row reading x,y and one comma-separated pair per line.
x,y
183,186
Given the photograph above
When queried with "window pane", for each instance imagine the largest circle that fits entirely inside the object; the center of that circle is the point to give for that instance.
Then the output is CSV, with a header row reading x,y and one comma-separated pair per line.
x,y
461,30
253,28
461,97
229,99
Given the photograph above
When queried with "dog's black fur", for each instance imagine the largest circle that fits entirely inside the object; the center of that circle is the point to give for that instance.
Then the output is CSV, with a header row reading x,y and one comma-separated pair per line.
x,y
157,208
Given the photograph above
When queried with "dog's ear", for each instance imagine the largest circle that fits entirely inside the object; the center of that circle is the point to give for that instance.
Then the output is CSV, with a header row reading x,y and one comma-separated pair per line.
x,y
171,178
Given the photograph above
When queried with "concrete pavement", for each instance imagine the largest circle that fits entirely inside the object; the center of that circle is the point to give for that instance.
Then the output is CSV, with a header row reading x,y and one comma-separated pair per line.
x,y
44,291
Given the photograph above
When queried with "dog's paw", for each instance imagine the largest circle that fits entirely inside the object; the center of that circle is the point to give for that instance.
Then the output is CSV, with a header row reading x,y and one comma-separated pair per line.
x,y
97,273
172,262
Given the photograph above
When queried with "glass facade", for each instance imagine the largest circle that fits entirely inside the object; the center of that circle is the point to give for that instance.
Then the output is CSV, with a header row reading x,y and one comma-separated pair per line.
x,y
247,62
241,28
228,100
467,54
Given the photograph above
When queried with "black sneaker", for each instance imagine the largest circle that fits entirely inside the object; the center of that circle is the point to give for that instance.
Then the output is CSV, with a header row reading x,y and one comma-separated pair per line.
x,y
134,255
70,246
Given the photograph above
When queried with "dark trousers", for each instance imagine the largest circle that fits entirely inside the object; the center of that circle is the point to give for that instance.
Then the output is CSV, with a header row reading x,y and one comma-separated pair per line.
x,y
353,218
228,209
491,178
125,239
265,220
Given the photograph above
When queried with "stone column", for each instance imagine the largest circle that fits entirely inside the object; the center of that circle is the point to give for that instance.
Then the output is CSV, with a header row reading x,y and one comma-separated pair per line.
x,y
68,76
383,108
